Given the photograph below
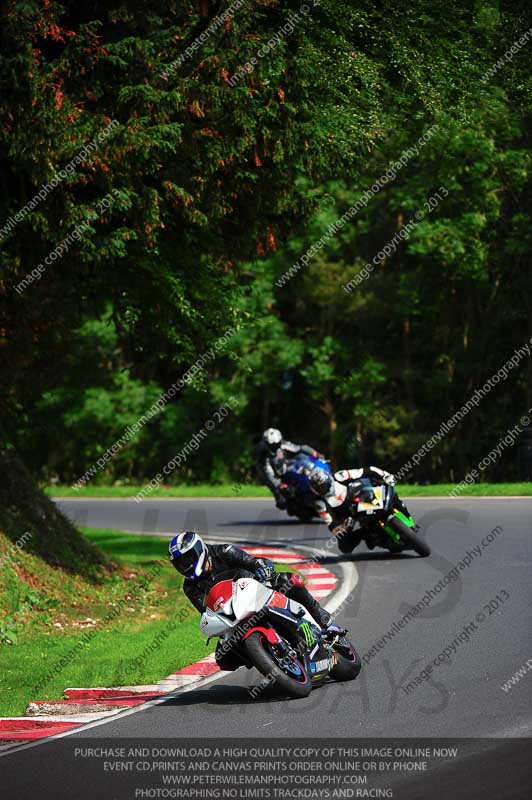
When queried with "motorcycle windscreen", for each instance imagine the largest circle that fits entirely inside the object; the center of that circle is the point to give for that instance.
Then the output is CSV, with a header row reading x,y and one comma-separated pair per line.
x,y
249,596
302,461
376,504
220,596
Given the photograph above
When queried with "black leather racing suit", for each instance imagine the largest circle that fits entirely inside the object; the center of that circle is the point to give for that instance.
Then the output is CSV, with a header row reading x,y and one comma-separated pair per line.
x,y
271,465
334,509
228,562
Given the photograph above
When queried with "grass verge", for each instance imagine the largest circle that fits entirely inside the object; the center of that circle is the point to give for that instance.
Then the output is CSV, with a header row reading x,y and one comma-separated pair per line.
x,y
475,490
62,638
250,490
199,490
68,643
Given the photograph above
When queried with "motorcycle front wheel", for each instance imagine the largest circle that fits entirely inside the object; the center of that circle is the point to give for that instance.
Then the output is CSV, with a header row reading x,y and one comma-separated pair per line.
x,y
410,540
349,663
288,674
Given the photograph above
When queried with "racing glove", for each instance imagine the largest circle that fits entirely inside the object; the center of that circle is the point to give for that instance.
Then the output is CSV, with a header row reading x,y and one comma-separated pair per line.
x,y
342,529
385,477
264,570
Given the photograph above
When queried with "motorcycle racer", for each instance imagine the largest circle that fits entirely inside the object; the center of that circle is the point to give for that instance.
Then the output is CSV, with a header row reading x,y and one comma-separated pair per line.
x,y
336,492
273,455
204,565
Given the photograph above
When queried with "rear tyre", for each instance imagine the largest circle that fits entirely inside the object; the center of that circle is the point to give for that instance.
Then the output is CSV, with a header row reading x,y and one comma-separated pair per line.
x,y
410,539
291,677
291,510
301,511
349,663
347,541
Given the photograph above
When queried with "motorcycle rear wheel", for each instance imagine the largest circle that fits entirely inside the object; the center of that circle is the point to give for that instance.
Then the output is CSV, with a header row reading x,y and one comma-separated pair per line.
x,y
305,517
294,681
348,541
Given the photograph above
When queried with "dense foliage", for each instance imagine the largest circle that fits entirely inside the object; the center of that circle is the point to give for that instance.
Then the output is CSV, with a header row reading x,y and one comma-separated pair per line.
x,y
218,187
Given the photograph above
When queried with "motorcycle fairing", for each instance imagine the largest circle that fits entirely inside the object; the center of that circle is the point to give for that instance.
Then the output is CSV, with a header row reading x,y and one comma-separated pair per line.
x,y
214,624
323,666
249,596
279,600
271,635
220,597
294,615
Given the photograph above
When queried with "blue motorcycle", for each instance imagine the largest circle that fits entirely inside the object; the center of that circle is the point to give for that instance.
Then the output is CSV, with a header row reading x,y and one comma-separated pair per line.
x,y
300,498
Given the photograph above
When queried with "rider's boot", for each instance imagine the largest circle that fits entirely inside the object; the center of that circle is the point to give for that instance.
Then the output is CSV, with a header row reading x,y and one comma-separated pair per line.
x,y
280,500
293,586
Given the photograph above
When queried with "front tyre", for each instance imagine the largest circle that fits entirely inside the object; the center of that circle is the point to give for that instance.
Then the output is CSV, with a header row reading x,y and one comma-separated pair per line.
x,y
288,674
410,540
349,663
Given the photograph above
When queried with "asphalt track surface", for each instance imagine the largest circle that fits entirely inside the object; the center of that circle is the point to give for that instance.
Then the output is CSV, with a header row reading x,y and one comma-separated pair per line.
x,y
462,697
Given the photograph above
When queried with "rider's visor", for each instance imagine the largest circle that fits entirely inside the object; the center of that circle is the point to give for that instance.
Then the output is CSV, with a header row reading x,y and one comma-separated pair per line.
x,y
327,488
185,564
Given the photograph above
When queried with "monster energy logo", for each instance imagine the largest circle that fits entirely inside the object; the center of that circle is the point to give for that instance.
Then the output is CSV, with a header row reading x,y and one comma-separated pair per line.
x,y
307,633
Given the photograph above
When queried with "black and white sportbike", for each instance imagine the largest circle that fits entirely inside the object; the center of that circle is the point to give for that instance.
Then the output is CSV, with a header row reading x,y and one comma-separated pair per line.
x,y
383,519
263,628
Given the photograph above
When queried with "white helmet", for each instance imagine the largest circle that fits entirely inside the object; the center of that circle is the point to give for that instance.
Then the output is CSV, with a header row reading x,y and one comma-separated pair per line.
x,y
188,553
273,438
321,482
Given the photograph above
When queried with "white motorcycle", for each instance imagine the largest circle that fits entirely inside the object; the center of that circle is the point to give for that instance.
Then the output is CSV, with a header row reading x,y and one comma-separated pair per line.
x,y
263,628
